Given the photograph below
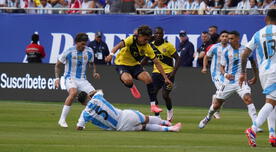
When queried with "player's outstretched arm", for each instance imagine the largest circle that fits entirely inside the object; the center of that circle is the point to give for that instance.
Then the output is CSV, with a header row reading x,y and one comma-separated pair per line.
x,y
244,57
95,74
176,66
58,68
205,64
114,50
255,70
161,70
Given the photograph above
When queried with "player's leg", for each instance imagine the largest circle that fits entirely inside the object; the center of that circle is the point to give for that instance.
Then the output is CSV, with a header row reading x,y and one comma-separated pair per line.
x,y
146,78
166,96
156,120
157,81
271,120
72,90
217,84
127,79
221,95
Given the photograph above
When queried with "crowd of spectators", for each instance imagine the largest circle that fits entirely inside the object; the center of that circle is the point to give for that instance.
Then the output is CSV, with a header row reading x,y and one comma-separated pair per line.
x,y
199,7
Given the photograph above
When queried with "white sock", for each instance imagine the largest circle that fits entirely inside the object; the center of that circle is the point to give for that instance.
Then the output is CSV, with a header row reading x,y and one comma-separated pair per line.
x,y
271,120
156,120
64,112
211,112
262,116
252,112
154,127
152,103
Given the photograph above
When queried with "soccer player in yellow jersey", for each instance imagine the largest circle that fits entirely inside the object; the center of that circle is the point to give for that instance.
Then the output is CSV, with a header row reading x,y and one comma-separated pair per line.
x,y
165,52
133,50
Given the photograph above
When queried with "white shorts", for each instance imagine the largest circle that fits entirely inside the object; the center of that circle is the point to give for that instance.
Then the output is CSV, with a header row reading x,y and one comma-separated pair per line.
x,y
130,120
217,82
226,90
268,82
79,84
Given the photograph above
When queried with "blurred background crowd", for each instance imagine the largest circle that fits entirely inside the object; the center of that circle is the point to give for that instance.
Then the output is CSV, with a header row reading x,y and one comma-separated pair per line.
x,y
164,7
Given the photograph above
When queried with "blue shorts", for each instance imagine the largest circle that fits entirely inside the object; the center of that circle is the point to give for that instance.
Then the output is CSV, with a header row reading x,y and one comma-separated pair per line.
x,y
134,71
159,82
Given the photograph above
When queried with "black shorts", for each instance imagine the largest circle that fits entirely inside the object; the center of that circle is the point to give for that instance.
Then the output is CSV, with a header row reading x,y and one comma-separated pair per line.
x,y
134,71
159,81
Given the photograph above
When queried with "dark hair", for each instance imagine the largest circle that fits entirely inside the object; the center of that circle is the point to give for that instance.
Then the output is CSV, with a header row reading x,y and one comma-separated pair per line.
x,y
35,38
205,32
272,14
81,37
236,33
144,30
159,28
222,32
213,26
82,97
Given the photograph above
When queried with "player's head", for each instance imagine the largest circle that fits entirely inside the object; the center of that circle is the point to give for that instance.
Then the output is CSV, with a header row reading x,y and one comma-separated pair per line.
x,y
81,40
205,36
212,29
158,34
144,34
234,38
223,37
83,97
35,38
271,16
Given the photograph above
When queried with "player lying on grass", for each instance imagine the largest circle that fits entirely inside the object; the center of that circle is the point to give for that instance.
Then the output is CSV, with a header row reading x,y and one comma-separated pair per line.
x,y
104,115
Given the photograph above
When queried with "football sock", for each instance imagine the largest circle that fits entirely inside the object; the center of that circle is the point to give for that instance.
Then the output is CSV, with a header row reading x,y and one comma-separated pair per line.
x,y
252,112
157,120
151,92
262,116
155,127
65,111
211,112
271,120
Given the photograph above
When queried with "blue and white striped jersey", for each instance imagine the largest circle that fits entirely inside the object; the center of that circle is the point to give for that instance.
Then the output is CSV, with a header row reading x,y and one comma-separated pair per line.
x,y
215,51
100,112
231,59
76,62
264,43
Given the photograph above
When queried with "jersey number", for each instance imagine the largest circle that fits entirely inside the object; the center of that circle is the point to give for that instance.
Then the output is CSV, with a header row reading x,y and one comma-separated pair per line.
x,y
269,48
100,112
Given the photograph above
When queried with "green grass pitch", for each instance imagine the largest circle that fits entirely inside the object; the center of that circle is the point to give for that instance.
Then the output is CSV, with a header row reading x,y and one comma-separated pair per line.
x,y
32,127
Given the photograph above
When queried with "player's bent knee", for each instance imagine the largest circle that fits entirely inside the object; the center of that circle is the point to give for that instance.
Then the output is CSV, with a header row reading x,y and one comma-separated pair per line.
x,y
247,99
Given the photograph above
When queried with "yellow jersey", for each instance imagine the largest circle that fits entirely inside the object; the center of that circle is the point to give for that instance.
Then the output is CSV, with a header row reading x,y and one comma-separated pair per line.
x,y
164,53
132,53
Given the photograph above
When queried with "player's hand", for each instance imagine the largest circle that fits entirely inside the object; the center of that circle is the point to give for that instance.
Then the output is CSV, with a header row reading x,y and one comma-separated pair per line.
x,y
96,75
168,82
108,58
171,75
57,83
229,77
253,80
79,128
242,79
204,70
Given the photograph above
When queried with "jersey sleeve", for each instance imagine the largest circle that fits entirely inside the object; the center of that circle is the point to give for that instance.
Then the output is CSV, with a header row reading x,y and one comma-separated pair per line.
x,y
90,55
210,50
128,41
172,49
81,121
149,52
252,43
62,57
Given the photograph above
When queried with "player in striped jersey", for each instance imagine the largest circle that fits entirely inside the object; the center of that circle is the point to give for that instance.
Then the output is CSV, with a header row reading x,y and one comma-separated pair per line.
x,y
76,60
104,115
215,51
231,69
264,44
